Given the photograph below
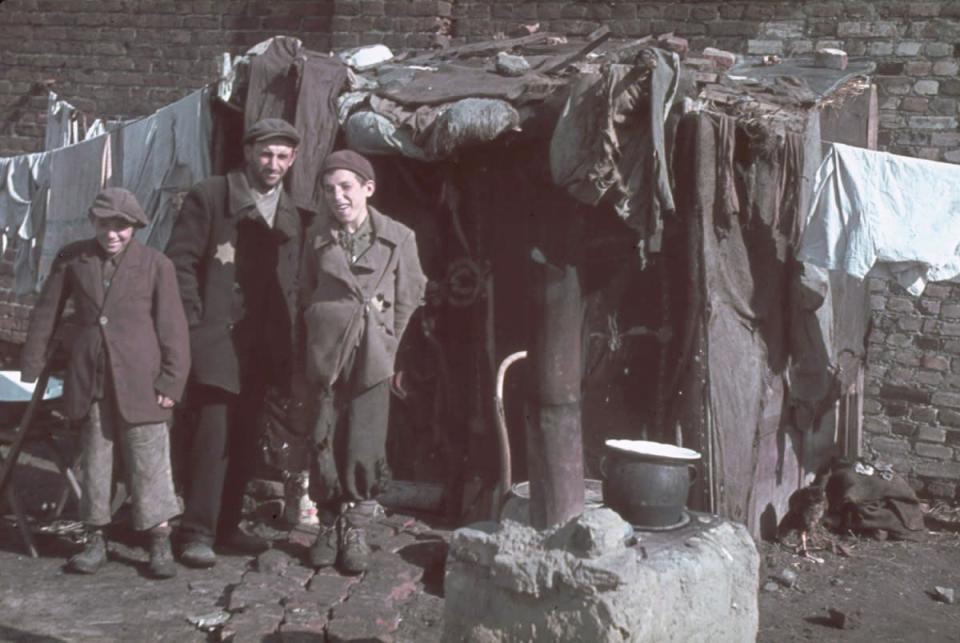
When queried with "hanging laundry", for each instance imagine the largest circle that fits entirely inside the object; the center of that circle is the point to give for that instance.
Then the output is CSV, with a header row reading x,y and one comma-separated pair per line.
x,y
610,137
300,86
24,185
66,124
163,155
885,215
76,176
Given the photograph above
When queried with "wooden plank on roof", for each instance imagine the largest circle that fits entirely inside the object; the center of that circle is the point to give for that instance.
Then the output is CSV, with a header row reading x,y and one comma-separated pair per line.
x,y
486,48
594,40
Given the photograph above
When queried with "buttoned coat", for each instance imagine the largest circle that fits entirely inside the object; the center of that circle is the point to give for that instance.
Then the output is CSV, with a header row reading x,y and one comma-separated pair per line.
x,y
204,249
366,308
138,321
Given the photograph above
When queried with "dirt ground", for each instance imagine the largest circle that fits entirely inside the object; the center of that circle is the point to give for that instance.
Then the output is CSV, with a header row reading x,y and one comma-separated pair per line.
x,y
880,590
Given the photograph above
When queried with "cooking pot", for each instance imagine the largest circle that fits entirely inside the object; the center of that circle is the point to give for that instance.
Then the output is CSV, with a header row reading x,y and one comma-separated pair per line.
x,y
647,482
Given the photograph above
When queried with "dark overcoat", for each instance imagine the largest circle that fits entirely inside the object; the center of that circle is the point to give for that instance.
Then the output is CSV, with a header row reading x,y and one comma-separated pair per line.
x,y
218,272
366,308
139,322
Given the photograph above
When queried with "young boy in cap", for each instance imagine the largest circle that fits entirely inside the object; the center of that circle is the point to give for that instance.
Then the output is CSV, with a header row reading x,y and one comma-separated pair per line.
x,y
360,284
128,365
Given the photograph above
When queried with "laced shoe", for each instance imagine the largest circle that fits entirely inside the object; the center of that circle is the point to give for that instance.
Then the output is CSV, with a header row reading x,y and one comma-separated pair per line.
x,y
93,556
354,552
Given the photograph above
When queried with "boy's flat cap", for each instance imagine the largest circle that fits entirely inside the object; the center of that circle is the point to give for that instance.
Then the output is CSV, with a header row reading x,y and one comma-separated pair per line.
x,y
348,160
118,203
268,128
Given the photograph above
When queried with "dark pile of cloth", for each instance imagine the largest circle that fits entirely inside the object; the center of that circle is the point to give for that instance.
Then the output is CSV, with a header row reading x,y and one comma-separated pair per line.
x,y
870,498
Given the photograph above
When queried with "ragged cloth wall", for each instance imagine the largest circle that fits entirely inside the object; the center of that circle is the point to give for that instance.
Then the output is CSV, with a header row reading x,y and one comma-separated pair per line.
x,y
127,58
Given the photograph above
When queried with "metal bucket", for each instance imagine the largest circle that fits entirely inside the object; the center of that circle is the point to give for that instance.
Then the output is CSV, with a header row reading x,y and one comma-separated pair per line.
x,y
517,505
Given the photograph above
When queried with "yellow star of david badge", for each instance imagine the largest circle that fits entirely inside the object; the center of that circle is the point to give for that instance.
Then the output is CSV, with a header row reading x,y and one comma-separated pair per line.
x,y
225,253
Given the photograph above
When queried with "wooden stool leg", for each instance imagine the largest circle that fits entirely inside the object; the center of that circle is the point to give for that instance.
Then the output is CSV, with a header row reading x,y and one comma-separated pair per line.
x,y
22,525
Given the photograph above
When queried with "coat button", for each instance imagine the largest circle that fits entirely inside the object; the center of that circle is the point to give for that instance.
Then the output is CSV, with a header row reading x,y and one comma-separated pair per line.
x,y
103,320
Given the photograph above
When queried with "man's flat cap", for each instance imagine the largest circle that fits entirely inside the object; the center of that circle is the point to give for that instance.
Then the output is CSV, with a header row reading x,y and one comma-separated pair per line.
x,y
348,160
120,204
268,128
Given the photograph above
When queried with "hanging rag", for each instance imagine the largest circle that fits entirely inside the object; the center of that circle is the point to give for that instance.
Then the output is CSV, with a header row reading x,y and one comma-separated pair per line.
x,y
885,215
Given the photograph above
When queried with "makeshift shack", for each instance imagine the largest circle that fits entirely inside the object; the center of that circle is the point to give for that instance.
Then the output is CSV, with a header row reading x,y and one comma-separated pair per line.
x,y
627,212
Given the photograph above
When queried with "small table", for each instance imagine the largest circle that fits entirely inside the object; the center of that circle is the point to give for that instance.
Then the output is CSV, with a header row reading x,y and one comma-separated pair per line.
x,y
19,402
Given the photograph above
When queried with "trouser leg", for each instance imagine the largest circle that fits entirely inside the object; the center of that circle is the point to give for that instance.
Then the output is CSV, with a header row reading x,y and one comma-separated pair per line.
x,y
207,464
146,451
96,461
365,443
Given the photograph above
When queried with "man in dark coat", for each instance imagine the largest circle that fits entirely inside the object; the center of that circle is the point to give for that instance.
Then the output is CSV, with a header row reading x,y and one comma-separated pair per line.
x,y
361,282
236,246
129,361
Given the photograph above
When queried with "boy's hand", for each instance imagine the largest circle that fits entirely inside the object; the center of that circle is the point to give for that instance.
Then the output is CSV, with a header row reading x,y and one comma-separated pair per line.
x,y
164,401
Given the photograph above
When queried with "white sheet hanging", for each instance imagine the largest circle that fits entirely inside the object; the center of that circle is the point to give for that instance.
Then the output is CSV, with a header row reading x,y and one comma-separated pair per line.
x,y
884,215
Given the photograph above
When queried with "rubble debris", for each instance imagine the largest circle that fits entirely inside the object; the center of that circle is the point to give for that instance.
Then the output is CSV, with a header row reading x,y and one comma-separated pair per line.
x,y
772,59
724,59
787,578
844,620
944,594
830,58
674,43
510,65
771,586
210,621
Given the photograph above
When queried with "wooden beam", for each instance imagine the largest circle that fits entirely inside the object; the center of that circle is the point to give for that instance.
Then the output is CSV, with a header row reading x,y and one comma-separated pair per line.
x,y
594,40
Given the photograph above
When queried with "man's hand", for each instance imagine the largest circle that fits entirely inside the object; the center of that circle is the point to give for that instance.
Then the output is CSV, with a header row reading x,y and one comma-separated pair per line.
x,y
396,385
164,401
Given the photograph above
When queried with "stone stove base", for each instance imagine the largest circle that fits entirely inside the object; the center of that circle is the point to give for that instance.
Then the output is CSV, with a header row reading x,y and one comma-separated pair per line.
x,y
596,579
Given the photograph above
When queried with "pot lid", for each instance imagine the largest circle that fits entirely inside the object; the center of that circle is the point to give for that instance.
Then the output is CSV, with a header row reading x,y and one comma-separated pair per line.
x,y
653,449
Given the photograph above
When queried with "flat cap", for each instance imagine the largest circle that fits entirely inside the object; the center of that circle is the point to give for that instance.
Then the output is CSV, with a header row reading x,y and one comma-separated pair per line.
x,y
118,203
348,160
267,128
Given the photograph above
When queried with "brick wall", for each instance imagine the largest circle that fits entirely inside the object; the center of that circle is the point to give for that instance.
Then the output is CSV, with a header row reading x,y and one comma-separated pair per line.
x,y
127,57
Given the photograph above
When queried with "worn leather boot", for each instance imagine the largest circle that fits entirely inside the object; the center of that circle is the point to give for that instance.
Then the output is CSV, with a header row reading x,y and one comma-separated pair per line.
x,y
323,552
161,555
353,550
197,554
93,556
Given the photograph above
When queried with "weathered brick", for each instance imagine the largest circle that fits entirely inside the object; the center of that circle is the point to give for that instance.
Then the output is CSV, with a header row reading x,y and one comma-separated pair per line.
x,y
890,445
931,434
932,122
927,87
941,398
923,414
949,418
949,470
935,362
929,378
903,429
908,48
938,49
914,104
935,451
905,393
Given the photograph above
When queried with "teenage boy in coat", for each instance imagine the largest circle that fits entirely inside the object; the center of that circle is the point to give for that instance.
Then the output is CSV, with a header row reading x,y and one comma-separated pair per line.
x,y
361,281
128,365
236,247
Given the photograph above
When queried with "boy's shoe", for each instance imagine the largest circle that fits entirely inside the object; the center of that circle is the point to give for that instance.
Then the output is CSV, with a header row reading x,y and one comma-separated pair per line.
x,y
93,556
161,556
323,552
354,551
197,554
